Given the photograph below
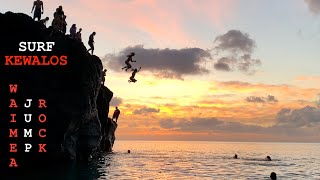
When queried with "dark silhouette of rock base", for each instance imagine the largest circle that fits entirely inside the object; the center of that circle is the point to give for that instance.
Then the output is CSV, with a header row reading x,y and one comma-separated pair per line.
x,y
77,102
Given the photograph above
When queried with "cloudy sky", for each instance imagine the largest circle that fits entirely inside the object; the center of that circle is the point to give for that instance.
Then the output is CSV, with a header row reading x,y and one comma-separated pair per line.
x,y
232,70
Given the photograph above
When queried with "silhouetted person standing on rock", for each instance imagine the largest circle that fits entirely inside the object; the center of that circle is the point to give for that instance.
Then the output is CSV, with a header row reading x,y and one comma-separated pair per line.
x,y
116,114
104,73
132,79
37,6
78,35
91,42
64,25
273,176
128,65
59,12
73,31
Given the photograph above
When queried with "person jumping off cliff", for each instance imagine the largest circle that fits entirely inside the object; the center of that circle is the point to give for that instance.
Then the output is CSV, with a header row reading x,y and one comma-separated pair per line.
x,y
132,79
104,73
116,114
128,65
91,42
37,6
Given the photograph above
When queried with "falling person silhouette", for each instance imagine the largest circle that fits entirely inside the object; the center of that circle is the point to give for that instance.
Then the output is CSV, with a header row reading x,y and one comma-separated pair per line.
x,y
128,65
132,79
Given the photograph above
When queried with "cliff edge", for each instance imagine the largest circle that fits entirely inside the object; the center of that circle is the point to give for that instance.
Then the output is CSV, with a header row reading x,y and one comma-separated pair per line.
x,y
77,123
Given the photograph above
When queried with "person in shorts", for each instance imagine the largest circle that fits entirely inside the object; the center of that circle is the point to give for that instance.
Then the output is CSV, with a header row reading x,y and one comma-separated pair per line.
x,y
38,9
91,42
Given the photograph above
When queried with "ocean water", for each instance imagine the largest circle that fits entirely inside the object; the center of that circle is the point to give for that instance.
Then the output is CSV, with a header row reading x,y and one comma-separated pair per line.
x,y
210,160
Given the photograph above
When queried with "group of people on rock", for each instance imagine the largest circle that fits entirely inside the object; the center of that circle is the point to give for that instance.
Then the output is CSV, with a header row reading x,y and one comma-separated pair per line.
x,y
59,23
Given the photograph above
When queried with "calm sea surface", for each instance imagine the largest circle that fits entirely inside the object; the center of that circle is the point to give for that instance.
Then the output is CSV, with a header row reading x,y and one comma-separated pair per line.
x,y
209,160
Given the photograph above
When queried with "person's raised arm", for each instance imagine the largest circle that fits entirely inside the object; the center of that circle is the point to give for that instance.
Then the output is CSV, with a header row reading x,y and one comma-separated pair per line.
x,y
34,4
139,69
42,7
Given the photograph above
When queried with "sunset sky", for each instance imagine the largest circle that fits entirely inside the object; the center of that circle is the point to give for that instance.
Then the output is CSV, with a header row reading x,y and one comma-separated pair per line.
x,y
232,70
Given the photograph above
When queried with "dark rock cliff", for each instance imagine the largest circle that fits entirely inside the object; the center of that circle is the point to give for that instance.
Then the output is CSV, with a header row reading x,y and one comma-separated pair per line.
x,y
77,103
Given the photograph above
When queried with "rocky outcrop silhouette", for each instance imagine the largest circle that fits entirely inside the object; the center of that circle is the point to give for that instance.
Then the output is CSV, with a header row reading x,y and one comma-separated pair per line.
x,y
108,137
77,103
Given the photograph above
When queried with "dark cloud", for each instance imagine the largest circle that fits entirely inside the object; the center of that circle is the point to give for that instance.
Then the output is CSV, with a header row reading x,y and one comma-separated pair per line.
x,y
146,110
272,99
234,50
314,6
167,124
318,101
246,64
194,124
225,64
115,101
207,125
163,63
299,122
257,99
235,83
235,41
221,66
298,118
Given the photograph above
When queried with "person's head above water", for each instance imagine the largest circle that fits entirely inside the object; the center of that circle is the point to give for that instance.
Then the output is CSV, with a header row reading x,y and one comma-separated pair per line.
x,y
235,156
268,158
273,176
